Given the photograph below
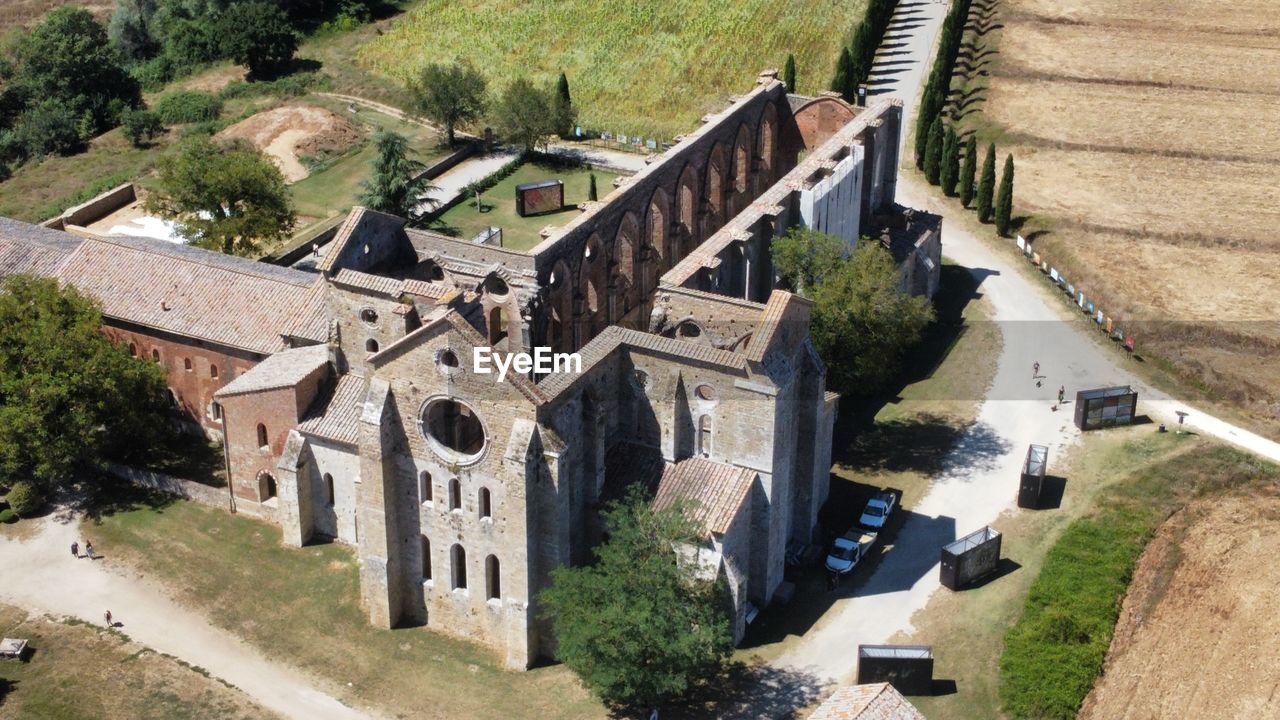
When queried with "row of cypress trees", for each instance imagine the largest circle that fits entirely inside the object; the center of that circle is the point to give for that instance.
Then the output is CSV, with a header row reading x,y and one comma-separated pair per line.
x,y
943,167
854,64
934,100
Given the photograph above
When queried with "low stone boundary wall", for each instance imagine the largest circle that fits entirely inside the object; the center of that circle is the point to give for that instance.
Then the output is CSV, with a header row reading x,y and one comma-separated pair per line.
x,y
87,213
448,162
189,490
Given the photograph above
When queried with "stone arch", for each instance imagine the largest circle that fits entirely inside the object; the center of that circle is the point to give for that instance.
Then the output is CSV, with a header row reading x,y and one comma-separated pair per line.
x,y
658,232
714,215
560,335
686,227
740,188
767,145
593,280
623,284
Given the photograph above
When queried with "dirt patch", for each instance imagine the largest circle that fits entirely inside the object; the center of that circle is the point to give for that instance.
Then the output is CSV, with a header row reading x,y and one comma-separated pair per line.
x,y
1196,636
292,132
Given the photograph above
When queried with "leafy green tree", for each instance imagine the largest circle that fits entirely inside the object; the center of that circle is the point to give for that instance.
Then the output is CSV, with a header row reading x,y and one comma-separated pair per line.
x,y
525,115
450,95
50,127
68,395
141,127
845,81
789,73
562,105
933,152
227,199
130,28
969,174
987,185
397,185
592,195
1004,198
68,58
863,321
638,626
803,256
950,172
259,36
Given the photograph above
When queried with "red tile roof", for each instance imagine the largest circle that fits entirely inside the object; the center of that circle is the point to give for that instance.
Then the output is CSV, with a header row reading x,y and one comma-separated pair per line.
x,y
878,701
711,492
337,416
197,293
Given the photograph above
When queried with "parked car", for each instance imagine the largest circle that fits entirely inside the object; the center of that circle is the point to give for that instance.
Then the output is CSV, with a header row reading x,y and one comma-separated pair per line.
x,y
848,549
878,510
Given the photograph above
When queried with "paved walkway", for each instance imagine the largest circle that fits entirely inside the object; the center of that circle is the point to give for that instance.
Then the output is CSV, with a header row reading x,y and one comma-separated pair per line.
x,y
41,576
1036,327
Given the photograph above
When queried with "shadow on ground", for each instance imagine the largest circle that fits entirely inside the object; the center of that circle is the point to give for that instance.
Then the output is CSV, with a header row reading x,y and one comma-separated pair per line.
x,y
749,692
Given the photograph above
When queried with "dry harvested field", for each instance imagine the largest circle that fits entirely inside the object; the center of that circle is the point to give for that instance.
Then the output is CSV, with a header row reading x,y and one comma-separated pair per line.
x,y
1197,636
25,13
1147,140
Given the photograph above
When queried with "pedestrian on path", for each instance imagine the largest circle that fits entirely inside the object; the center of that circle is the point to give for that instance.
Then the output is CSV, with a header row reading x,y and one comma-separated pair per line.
x,y
1062,393
75,550
88,550
1035,370
107,616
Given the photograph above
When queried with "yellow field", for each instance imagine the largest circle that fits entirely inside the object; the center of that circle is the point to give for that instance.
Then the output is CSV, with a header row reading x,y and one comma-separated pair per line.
x,y
633,67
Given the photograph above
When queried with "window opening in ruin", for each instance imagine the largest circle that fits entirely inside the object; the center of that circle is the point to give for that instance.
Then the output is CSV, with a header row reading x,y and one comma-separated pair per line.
x,y
172,398
424,486
213,371
262,436
458,558
328,489
449,358
496,286
704,436
426,558
371,346
369,316
497,326
455,494
266,486
705,392
186,364
155,355
492,586
486,509
689,329
454,427
133,350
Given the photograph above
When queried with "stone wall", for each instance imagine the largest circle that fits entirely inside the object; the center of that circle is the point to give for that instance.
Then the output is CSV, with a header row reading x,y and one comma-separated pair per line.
x,y
275,412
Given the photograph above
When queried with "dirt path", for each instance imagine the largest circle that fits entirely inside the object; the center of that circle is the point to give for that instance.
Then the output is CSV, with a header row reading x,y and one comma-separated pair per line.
x,y
40,575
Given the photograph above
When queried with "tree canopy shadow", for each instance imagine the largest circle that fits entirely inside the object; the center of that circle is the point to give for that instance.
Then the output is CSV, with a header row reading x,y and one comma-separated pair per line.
x,y
749,691
101,495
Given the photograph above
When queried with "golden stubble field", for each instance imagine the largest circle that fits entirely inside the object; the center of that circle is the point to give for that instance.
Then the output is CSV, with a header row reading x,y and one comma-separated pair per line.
x,y
1147,140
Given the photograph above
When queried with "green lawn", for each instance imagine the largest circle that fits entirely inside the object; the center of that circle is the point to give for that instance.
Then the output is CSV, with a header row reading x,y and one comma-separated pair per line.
x,y
81,671
303,607
499,205
638,68
335,188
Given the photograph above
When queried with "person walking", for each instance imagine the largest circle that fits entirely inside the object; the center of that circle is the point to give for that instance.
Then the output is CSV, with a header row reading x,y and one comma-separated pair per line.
x,y
88,550
107,615
1035,370
1062,393
75,550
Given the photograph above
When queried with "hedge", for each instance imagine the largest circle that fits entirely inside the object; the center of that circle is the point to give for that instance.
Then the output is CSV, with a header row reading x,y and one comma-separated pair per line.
x,y
188,106
25,499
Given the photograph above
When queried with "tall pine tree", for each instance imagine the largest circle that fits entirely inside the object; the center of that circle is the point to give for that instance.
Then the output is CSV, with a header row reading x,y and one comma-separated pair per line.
x,y
1004,198
562,107
950,171
933,152
789,73
845,81
987,186
970,172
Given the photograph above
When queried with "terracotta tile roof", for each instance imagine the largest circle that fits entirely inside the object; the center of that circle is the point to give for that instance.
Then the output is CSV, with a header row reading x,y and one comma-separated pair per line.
x,y
779,323
878,701
712,492
26,248
373,283
336,416
197,293
433,290
282,370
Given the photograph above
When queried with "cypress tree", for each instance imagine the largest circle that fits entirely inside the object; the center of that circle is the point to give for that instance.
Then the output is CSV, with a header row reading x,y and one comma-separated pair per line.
x,y
970,172
987,186
933,152
591,187
563,108
844,79
789,73
863,50
950,171
1004,199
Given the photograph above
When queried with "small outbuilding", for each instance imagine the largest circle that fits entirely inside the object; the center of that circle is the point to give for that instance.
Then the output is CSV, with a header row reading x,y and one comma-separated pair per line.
x,y
1106,407
1031,484
908,668
970,558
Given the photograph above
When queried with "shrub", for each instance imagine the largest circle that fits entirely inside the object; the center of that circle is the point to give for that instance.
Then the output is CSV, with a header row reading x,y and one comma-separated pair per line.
x,y
50,127
141,127
154,73
188,106
25,499
8,516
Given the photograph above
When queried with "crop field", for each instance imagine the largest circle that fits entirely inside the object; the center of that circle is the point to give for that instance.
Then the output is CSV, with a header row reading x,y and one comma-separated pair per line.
x,y
25,13
1148,169
652,68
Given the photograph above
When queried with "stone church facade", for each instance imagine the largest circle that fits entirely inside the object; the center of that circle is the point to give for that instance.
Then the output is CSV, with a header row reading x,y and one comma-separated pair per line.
x,y
356,413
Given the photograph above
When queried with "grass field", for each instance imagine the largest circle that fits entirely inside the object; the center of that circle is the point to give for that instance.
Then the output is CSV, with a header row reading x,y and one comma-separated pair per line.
x,y
25,13
80,671
303,607
1147,168
499,205
651,68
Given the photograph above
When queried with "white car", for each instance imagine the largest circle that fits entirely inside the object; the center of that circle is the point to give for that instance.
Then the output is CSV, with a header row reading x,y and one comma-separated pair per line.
x,y
877,511
848,549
